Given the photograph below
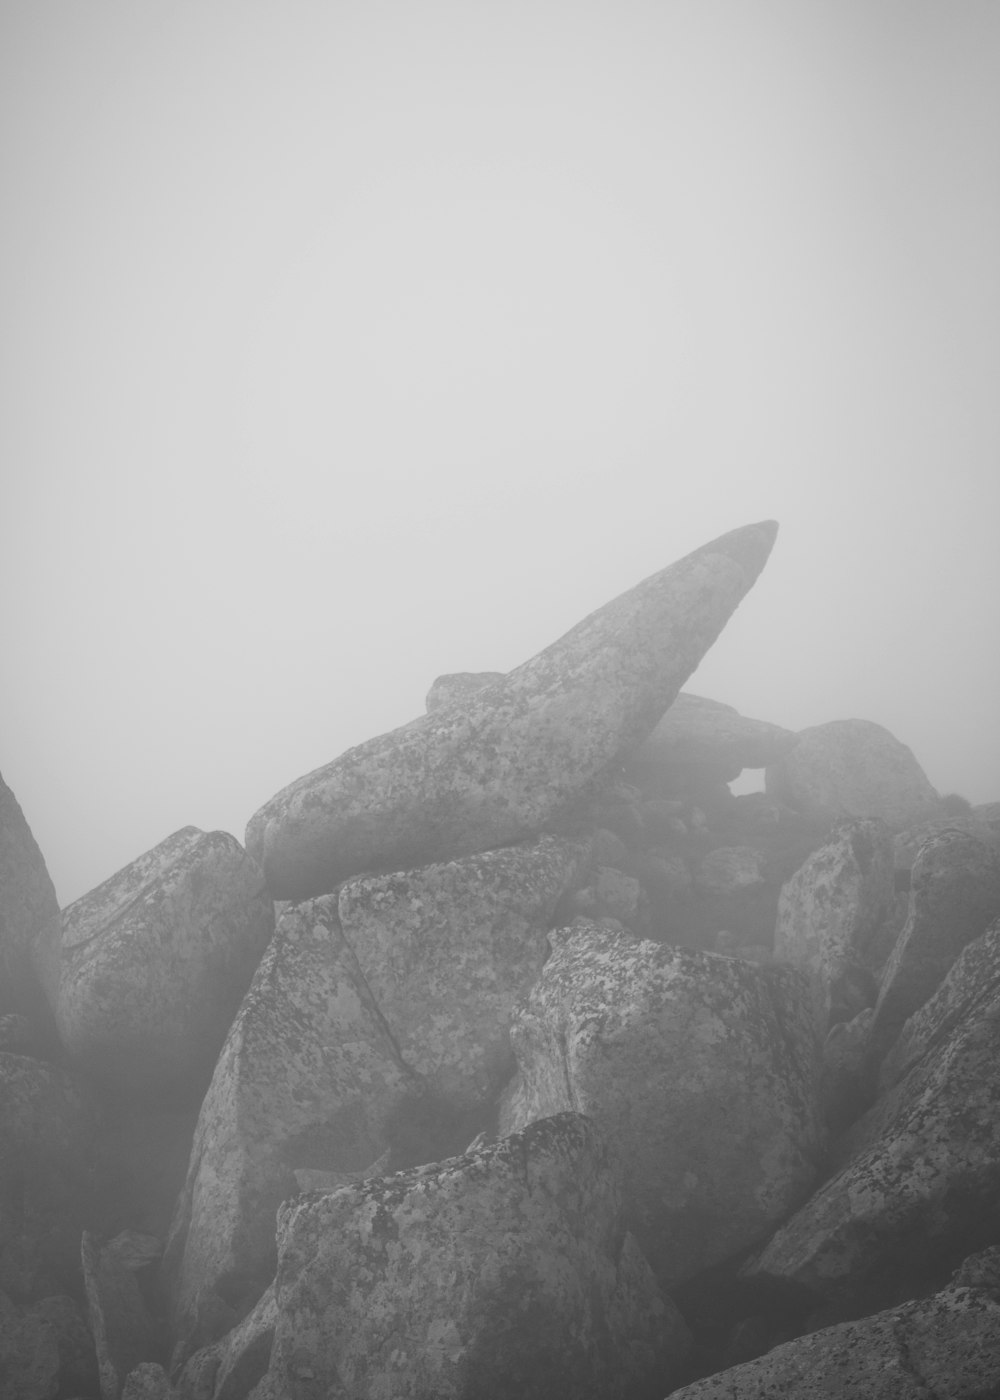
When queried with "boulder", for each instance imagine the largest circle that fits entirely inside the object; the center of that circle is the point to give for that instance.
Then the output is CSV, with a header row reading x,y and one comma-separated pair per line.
x,y
944,1346
457,686
231,1367
729,871
156,960
697,732
148,1381
448,949
29,920
853,768
914,1181
119,1323
703,1069
517,756
308,1078
829,913
46,1156
907,843
954,894
506,1272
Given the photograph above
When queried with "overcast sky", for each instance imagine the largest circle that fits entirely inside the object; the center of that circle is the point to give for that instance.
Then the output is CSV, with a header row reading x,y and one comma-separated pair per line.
x,y
348,343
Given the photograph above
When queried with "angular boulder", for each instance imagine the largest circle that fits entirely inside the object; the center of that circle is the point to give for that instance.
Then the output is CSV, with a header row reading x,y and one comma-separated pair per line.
x,y
156,960
853,768
954,894
702,1069
29,920
513,758
696,731
506,1272
829,912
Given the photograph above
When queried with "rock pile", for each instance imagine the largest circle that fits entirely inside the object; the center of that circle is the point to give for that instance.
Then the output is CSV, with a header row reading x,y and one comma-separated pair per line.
x,y
562,1072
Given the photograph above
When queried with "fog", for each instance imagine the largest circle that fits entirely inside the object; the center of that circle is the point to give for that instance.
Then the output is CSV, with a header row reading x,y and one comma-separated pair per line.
x,y
345,344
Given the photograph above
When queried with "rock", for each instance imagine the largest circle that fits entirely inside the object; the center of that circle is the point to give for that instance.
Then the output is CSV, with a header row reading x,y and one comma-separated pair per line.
x,y
458,686
829,913
730,870
954,893
846,1086
700,732
907,843
46,1140
156,961
703,1070
853,768
448,949
945,1346
734,893
231,1367
29,1354
141,1159
29,920
309,1077
504,1273
914,1182
148,1382
119,1323
516,757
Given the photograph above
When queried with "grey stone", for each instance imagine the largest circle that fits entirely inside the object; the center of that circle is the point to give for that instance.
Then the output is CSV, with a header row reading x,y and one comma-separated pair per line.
x,y
458,686
119,1322
29,920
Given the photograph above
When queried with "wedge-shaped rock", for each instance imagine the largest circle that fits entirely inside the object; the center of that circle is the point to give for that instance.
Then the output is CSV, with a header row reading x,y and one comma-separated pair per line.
x,y
916,1185
698,731
308,1078
156,961
830,910
702,1069
507,762
853,768
944,1346
506,1272
954,895
29,920
447,950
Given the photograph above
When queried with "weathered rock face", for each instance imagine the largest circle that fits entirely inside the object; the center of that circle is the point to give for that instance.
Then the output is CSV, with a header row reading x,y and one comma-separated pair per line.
x,y
119,1323
703,1070
506,1272
829,912
954,894
46,1136
696,731
231,1367
447,950
156,961
506,763
947,1345
853,768
308,1077
29,919
916,1188
907,843
458,685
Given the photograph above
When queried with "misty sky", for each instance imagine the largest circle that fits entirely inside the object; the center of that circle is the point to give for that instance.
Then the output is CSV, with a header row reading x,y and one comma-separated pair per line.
x,y
349,343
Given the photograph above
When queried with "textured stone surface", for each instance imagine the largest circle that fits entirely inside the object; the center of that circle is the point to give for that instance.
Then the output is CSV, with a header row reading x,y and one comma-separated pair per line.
x,y
232,1366
831,909
915,1185
119,1323
458,685
942,1348
446,951
954,894
308,1077
504,1273
696,730
853,768
506,763
29,919
156,960
907,844
730,870
702,1069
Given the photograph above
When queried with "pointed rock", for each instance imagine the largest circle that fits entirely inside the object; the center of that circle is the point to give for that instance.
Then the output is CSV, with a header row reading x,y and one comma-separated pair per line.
x,y
508,761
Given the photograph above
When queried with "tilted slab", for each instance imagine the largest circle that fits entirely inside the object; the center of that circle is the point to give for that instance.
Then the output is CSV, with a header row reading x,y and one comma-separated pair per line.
x,y
505,763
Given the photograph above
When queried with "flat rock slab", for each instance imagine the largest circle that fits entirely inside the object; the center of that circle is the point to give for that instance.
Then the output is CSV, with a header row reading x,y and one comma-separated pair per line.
x,y
506,1272
853,768
702,1069
156,960
506,762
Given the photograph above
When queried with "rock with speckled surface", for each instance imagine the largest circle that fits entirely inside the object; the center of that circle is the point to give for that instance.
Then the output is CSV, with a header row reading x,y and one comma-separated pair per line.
x,y
514,758
703,1069
698,732
506,1272
156,960
458,686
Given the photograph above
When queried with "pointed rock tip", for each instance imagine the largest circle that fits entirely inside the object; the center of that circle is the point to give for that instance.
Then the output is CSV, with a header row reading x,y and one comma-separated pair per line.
x,y
749,545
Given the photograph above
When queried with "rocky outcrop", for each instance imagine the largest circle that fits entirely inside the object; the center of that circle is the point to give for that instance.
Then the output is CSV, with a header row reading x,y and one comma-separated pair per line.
x,y
29,920
230,1368
702,1069
506,1272
458,685
853,768
696,732
156,961
511,760
119,1321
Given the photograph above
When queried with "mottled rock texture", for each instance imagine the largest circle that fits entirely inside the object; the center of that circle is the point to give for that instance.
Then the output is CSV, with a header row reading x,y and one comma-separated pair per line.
x,y
29,919
696,731
119,1322
231,1367
829,912
515,757
702,1069
458,685
506,1273
156,961
853,768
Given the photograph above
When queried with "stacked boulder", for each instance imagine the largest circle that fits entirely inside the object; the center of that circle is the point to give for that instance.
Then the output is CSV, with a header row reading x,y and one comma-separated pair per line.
x,y
563,1070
